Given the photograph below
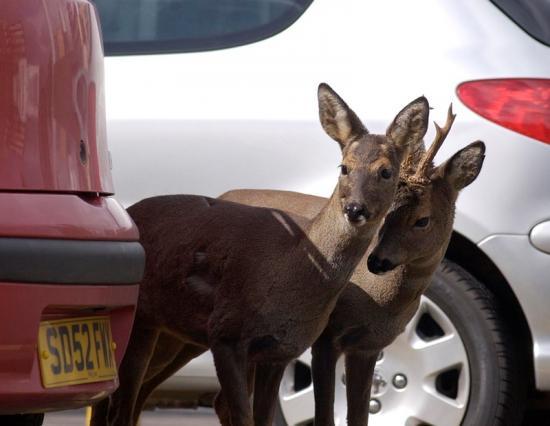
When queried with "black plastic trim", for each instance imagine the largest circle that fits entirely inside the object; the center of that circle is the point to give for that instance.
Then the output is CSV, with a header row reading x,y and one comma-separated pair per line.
x,y
70,261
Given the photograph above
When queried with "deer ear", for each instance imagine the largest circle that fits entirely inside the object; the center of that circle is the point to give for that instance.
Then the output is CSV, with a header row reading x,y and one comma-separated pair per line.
x,y
410,125
338,120
464,166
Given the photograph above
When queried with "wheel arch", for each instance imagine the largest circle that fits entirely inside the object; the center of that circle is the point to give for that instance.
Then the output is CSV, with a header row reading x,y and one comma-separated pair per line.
x,y
470,257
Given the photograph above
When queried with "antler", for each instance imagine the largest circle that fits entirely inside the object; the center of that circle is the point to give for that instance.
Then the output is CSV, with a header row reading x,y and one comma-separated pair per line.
x,y
441,134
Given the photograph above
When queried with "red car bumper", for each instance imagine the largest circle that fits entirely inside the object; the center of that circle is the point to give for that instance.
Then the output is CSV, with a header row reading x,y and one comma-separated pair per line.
x,y
23,306
61,256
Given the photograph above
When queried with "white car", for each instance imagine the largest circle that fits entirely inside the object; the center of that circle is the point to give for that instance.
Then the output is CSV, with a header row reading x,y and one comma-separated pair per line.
x,y
204,96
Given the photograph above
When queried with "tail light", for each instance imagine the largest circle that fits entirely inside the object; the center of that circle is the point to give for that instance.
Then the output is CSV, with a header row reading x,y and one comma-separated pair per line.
x,y
519,104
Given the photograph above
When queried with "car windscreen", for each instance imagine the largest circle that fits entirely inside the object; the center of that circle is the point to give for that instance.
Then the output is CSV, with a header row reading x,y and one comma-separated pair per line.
x,y
169,26
533,16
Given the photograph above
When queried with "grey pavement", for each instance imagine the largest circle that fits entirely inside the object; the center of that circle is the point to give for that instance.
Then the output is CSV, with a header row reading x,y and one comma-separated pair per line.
x,y
203,417
158,417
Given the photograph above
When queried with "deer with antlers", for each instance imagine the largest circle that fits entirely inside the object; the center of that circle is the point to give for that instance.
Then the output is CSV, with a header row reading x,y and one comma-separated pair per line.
x,y
390,279
255,285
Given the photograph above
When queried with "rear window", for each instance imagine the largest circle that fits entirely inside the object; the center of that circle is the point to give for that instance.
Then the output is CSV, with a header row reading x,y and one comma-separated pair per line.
x,y
533,16
166,26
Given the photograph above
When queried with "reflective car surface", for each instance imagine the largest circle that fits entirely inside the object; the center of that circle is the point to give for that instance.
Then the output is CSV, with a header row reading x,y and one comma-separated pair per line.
x,y
70,256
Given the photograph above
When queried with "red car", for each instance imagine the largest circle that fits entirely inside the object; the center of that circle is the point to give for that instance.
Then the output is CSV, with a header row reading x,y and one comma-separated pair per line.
x,y
70,259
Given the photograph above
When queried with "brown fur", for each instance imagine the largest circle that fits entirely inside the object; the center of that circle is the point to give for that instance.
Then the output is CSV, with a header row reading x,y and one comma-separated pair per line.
x,y
370,314
255,285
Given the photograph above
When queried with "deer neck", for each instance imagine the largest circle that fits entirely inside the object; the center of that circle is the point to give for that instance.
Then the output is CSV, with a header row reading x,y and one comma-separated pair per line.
x,y
417,276
340,244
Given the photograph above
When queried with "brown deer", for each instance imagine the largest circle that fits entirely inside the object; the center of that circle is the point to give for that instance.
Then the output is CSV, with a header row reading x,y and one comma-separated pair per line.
x,y
390,279
256,285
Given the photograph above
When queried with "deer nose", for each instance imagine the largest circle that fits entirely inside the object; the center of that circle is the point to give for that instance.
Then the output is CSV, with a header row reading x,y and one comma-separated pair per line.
x,y
379,266
356,211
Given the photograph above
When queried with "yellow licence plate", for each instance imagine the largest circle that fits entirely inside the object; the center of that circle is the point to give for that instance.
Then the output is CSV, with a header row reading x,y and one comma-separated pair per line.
x,y
76,350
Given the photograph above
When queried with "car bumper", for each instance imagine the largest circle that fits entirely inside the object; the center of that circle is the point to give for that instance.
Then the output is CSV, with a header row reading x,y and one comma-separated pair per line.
x,y
23,306
62,256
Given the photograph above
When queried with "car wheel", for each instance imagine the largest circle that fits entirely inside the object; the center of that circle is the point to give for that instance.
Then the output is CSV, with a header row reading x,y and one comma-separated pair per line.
x,y
22,420
451,366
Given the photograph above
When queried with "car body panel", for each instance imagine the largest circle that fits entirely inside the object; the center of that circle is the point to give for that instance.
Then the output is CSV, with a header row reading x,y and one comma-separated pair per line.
x,y
21,387
52,65
69,216
199,375
56,218
529,281
247,117
299,156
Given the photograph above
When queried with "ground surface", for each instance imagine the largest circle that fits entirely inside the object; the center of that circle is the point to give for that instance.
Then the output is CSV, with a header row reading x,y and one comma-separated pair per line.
x,y
200,417
161,417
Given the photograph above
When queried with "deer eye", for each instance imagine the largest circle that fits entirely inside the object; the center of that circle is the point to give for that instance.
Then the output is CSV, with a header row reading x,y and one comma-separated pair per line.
x,y
344,170
385,173
422,222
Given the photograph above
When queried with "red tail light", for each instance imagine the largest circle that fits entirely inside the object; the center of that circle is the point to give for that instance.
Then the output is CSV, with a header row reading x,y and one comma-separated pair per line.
x,y
519,104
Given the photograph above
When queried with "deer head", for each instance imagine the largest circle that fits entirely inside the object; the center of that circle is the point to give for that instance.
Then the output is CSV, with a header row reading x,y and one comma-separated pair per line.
x,y
370,166
417,229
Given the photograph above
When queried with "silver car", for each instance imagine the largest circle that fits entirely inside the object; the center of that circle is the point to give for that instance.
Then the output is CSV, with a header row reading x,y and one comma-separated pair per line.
x,y
205,96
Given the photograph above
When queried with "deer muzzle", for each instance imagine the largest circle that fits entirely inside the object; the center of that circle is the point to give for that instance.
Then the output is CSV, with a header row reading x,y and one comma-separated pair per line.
x,y
356,213
379,266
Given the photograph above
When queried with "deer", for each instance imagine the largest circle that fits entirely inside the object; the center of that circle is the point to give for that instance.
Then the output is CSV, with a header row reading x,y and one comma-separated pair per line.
x,y
255,285
388,282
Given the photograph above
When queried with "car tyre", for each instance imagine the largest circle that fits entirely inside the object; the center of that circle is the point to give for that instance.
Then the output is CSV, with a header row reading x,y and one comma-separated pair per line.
x,y
498,376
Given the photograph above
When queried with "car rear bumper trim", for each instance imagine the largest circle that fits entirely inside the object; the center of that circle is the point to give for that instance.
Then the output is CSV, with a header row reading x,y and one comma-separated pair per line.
x,y
70,261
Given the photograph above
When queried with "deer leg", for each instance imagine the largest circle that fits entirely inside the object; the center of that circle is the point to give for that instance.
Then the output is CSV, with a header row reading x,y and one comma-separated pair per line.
x,y
266,389
359,372
185,354
220,403
323,366
99,412
132,371
230,360
222,409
